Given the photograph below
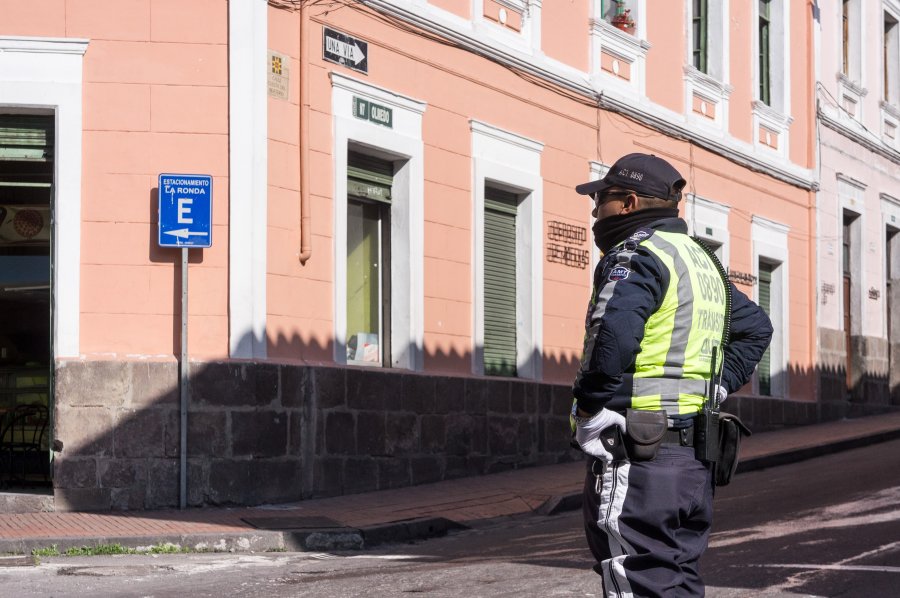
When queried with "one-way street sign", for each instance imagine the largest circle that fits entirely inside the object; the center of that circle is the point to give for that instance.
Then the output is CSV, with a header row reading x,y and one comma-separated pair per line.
x,y
345,50
185,210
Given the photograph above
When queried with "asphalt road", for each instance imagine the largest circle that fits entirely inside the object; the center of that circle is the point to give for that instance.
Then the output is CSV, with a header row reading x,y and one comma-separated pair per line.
x,y
825,527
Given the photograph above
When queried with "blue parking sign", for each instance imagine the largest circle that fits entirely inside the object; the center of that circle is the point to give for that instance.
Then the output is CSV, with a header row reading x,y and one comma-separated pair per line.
x,y
185,210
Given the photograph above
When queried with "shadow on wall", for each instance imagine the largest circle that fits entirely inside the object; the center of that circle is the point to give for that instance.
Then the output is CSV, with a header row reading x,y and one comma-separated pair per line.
x,y
285,431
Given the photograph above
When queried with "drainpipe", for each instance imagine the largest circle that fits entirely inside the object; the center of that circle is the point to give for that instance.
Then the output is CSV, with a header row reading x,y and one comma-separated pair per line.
x,y
305,216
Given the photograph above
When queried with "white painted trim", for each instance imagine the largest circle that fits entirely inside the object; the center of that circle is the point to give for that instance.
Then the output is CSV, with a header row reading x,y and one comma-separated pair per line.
x,y
402,143
770,242
247,178
598,170
46,74
380,94
701,214
852,198
511,162
712,86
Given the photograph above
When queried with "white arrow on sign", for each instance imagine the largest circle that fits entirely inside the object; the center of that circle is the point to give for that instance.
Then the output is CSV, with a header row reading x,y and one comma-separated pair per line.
x,y
345,50
183,233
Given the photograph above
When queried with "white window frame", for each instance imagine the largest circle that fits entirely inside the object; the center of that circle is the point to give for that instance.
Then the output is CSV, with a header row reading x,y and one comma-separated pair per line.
x,y
890,109
770,243
44,75
511,162
702,214
598,170
851,86
774,116
527,39
403,142
627,48
713,87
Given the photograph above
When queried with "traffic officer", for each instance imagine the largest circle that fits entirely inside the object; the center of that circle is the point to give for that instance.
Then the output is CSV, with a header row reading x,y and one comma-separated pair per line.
x,y
661,305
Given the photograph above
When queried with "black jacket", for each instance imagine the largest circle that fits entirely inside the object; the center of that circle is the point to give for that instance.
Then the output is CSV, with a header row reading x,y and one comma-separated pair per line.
x,y
602,380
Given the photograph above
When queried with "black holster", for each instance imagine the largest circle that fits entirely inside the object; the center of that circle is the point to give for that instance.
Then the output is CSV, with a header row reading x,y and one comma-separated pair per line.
x,y
730,431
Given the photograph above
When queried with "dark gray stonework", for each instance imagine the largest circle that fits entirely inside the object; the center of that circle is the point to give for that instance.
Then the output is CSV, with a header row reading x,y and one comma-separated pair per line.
x,y
277,433
870,383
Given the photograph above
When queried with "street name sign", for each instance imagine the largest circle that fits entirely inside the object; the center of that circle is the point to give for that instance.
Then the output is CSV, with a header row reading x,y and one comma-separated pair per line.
x,y
185,210
372,112
345,50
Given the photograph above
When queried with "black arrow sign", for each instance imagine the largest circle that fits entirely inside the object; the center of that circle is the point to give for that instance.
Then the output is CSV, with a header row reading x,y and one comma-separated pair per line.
x,y
345,50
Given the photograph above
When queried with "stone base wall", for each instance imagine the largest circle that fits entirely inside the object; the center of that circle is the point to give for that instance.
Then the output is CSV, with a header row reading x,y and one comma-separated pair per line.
x,y
268,433
869,370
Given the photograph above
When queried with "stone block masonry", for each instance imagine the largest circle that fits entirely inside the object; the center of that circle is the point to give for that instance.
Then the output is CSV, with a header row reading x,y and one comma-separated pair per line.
x,y
267,433
263,433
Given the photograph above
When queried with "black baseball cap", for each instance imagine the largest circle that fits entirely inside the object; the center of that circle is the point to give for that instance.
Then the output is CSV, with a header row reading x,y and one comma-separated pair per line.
x,y
645,174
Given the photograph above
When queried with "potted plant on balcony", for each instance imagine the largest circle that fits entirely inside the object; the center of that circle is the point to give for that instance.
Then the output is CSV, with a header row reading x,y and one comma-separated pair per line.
x,y
622,19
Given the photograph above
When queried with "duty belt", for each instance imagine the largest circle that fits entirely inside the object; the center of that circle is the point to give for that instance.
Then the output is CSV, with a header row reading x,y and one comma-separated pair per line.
x,y
682,437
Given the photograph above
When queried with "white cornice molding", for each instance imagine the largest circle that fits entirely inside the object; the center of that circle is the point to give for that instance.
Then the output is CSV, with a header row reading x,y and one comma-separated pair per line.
x,y
890,108
655,117
864,139
506,136
623,40
45,45
851,85
735,151
707,83
846,178
385,95
776,227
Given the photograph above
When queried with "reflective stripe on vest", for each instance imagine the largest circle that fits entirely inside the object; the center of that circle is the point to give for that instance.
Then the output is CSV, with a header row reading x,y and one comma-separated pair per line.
x,y
672,368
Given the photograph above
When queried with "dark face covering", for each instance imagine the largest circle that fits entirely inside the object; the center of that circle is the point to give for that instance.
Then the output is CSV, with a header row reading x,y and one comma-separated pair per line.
x,y
612,230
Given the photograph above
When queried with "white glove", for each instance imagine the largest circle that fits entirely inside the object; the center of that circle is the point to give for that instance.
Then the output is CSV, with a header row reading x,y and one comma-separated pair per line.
x,y
587,432
721,394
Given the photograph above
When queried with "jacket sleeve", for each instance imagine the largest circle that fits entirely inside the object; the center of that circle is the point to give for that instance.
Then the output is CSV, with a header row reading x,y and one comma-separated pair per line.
x,y
629,287
751,332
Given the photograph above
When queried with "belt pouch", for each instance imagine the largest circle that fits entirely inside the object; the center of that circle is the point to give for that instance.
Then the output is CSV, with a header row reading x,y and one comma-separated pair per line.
x,y
644,431
730,431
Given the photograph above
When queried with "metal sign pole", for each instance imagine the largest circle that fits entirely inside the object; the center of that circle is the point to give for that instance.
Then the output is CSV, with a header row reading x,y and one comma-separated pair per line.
x,y
185,221
183,371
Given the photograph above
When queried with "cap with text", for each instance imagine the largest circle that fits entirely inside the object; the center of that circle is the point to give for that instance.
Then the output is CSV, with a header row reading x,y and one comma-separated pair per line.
x,y
645,174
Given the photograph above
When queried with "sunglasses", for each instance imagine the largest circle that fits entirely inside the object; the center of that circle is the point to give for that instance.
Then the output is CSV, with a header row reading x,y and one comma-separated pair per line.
x,y
601,198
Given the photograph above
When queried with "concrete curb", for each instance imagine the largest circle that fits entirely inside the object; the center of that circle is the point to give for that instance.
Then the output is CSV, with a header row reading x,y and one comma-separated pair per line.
x,y
257,541
301,540
802,454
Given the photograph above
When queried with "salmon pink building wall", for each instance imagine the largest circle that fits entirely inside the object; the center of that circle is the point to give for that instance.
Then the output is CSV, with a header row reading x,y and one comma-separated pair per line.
x,y
529,97
155,100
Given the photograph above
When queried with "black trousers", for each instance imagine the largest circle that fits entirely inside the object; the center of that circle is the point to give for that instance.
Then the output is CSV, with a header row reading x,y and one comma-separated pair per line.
x,y
648,522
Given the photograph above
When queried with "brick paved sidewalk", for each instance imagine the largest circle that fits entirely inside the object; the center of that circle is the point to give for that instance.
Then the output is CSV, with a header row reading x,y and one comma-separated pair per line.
x,y
363,519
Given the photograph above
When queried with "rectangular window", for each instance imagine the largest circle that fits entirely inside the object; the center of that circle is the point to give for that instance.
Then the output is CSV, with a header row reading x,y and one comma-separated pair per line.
x,y
764,369
846,267
27,166
765,23
890,272
845,38
699,34
500,209
891,56
369,183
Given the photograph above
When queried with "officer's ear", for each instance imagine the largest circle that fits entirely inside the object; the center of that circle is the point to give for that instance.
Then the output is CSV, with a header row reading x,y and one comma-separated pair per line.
x,y
631,203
